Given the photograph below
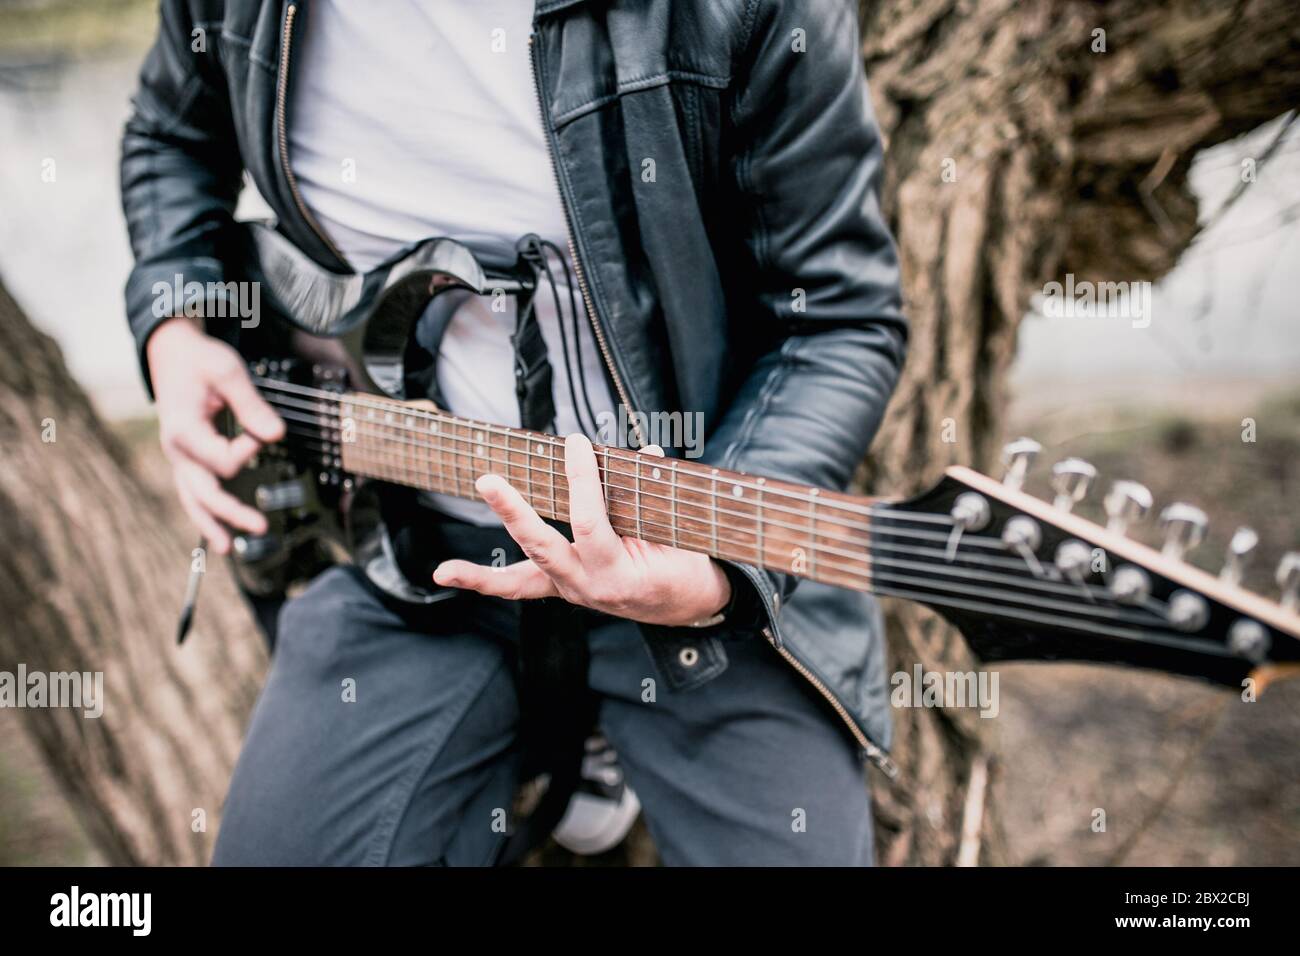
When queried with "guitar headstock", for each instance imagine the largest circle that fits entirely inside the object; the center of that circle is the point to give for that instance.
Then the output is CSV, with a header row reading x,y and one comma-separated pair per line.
x,y
1025,578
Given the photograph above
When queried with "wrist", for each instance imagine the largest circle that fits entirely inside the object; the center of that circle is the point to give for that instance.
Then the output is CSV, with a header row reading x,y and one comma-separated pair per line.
x,y
175,328
716,610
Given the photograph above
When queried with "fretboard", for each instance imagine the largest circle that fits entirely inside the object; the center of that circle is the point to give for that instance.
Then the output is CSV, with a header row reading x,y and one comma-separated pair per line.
x,y
679,503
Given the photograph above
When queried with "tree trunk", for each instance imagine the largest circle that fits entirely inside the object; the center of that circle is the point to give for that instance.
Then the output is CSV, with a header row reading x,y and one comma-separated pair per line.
x,y
91,578
1022,145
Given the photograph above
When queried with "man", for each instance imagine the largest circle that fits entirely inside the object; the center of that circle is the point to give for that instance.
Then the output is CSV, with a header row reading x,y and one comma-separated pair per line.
x,y
708,173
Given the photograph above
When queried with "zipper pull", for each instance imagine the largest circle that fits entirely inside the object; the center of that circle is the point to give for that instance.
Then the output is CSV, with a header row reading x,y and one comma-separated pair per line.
x,y
882,761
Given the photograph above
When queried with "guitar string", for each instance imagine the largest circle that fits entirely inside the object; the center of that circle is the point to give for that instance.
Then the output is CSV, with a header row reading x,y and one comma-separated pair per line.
x,y
397,409
753,542
869,576
357,453
445,440
441,445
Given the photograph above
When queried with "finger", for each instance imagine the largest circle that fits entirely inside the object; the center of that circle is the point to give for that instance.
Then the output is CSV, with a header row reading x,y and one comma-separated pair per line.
x,y
218,538
597,543
520,581
549,549
655,450
220,503
249,408
203,444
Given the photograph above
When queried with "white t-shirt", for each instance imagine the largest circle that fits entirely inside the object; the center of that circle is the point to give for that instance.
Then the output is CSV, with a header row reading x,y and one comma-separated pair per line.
x,y
411,119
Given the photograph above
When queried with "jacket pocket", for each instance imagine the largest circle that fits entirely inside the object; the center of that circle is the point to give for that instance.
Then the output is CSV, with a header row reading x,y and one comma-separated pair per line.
x,y
685,659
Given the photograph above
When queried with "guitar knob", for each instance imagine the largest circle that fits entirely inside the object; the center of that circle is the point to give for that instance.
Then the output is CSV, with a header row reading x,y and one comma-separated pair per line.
x,y
1249,639
1018,456
1021,532
1072,557
1188,611
1184,527
1240,548
1125,503
1288,579
970,511
1070,480
1130,585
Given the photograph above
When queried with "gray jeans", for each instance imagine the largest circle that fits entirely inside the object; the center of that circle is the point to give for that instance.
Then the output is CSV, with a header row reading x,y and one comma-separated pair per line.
x,y
384,737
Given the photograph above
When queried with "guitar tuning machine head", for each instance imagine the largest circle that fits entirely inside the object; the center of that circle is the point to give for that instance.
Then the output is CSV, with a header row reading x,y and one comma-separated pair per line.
x,y
1188,612
1184,526
1071,479
1288,579
1073,558
1018,456
970,511
1125,503
1240,548
1130,585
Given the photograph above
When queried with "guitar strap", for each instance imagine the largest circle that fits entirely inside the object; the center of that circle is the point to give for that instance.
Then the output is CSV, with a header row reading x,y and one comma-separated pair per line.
x,y
557,710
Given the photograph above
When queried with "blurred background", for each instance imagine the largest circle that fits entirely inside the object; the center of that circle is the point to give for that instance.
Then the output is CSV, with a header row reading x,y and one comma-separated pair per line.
x,y
1184,779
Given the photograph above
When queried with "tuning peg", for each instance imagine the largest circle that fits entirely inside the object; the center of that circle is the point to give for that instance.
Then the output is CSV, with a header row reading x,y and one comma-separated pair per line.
x,y
1240,547
1184,526
1288,579
1070,481
1018,456
1125,503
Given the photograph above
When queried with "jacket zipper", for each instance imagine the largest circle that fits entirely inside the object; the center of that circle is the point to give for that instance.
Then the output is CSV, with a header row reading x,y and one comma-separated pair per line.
x,y
282,133
601,343
874,753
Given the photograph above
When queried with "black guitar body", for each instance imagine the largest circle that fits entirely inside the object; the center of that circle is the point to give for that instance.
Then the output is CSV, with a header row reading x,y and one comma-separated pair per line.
x,y
323,331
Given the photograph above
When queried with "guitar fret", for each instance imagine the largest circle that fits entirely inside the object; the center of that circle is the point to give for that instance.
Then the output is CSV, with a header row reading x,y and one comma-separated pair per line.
x,y
555,507
812,533
713,508
528,472
636,495
673,494
758,524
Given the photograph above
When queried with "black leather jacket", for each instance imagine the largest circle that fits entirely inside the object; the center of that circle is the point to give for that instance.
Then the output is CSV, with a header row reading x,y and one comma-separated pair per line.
x,y
750,278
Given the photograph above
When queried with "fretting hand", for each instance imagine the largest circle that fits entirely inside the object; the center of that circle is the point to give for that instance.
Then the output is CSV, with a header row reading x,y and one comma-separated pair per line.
x,y
598,569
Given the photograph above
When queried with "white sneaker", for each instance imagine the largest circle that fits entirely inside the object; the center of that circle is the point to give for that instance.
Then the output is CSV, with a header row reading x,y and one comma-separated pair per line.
x,y
602,808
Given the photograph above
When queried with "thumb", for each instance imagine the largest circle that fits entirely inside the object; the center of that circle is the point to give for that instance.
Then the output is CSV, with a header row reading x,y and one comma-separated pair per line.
x,y
249,408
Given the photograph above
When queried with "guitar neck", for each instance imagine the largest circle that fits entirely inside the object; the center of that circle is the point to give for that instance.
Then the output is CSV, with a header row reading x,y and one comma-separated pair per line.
x,y
792,528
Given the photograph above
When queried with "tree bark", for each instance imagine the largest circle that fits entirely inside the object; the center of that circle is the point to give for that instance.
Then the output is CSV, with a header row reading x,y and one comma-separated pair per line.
x,y
1018,151
1023,146
91,579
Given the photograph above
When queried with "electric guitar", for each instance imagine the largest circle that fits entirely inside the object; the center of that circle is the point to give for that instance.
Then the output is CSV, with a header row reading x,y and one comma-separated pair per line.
x,y
1020,577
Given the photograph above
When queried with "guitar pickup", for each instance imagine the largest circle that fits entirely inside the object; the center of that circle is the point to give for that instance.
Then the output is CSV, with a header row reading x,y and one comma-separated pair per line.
x,y
281,496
